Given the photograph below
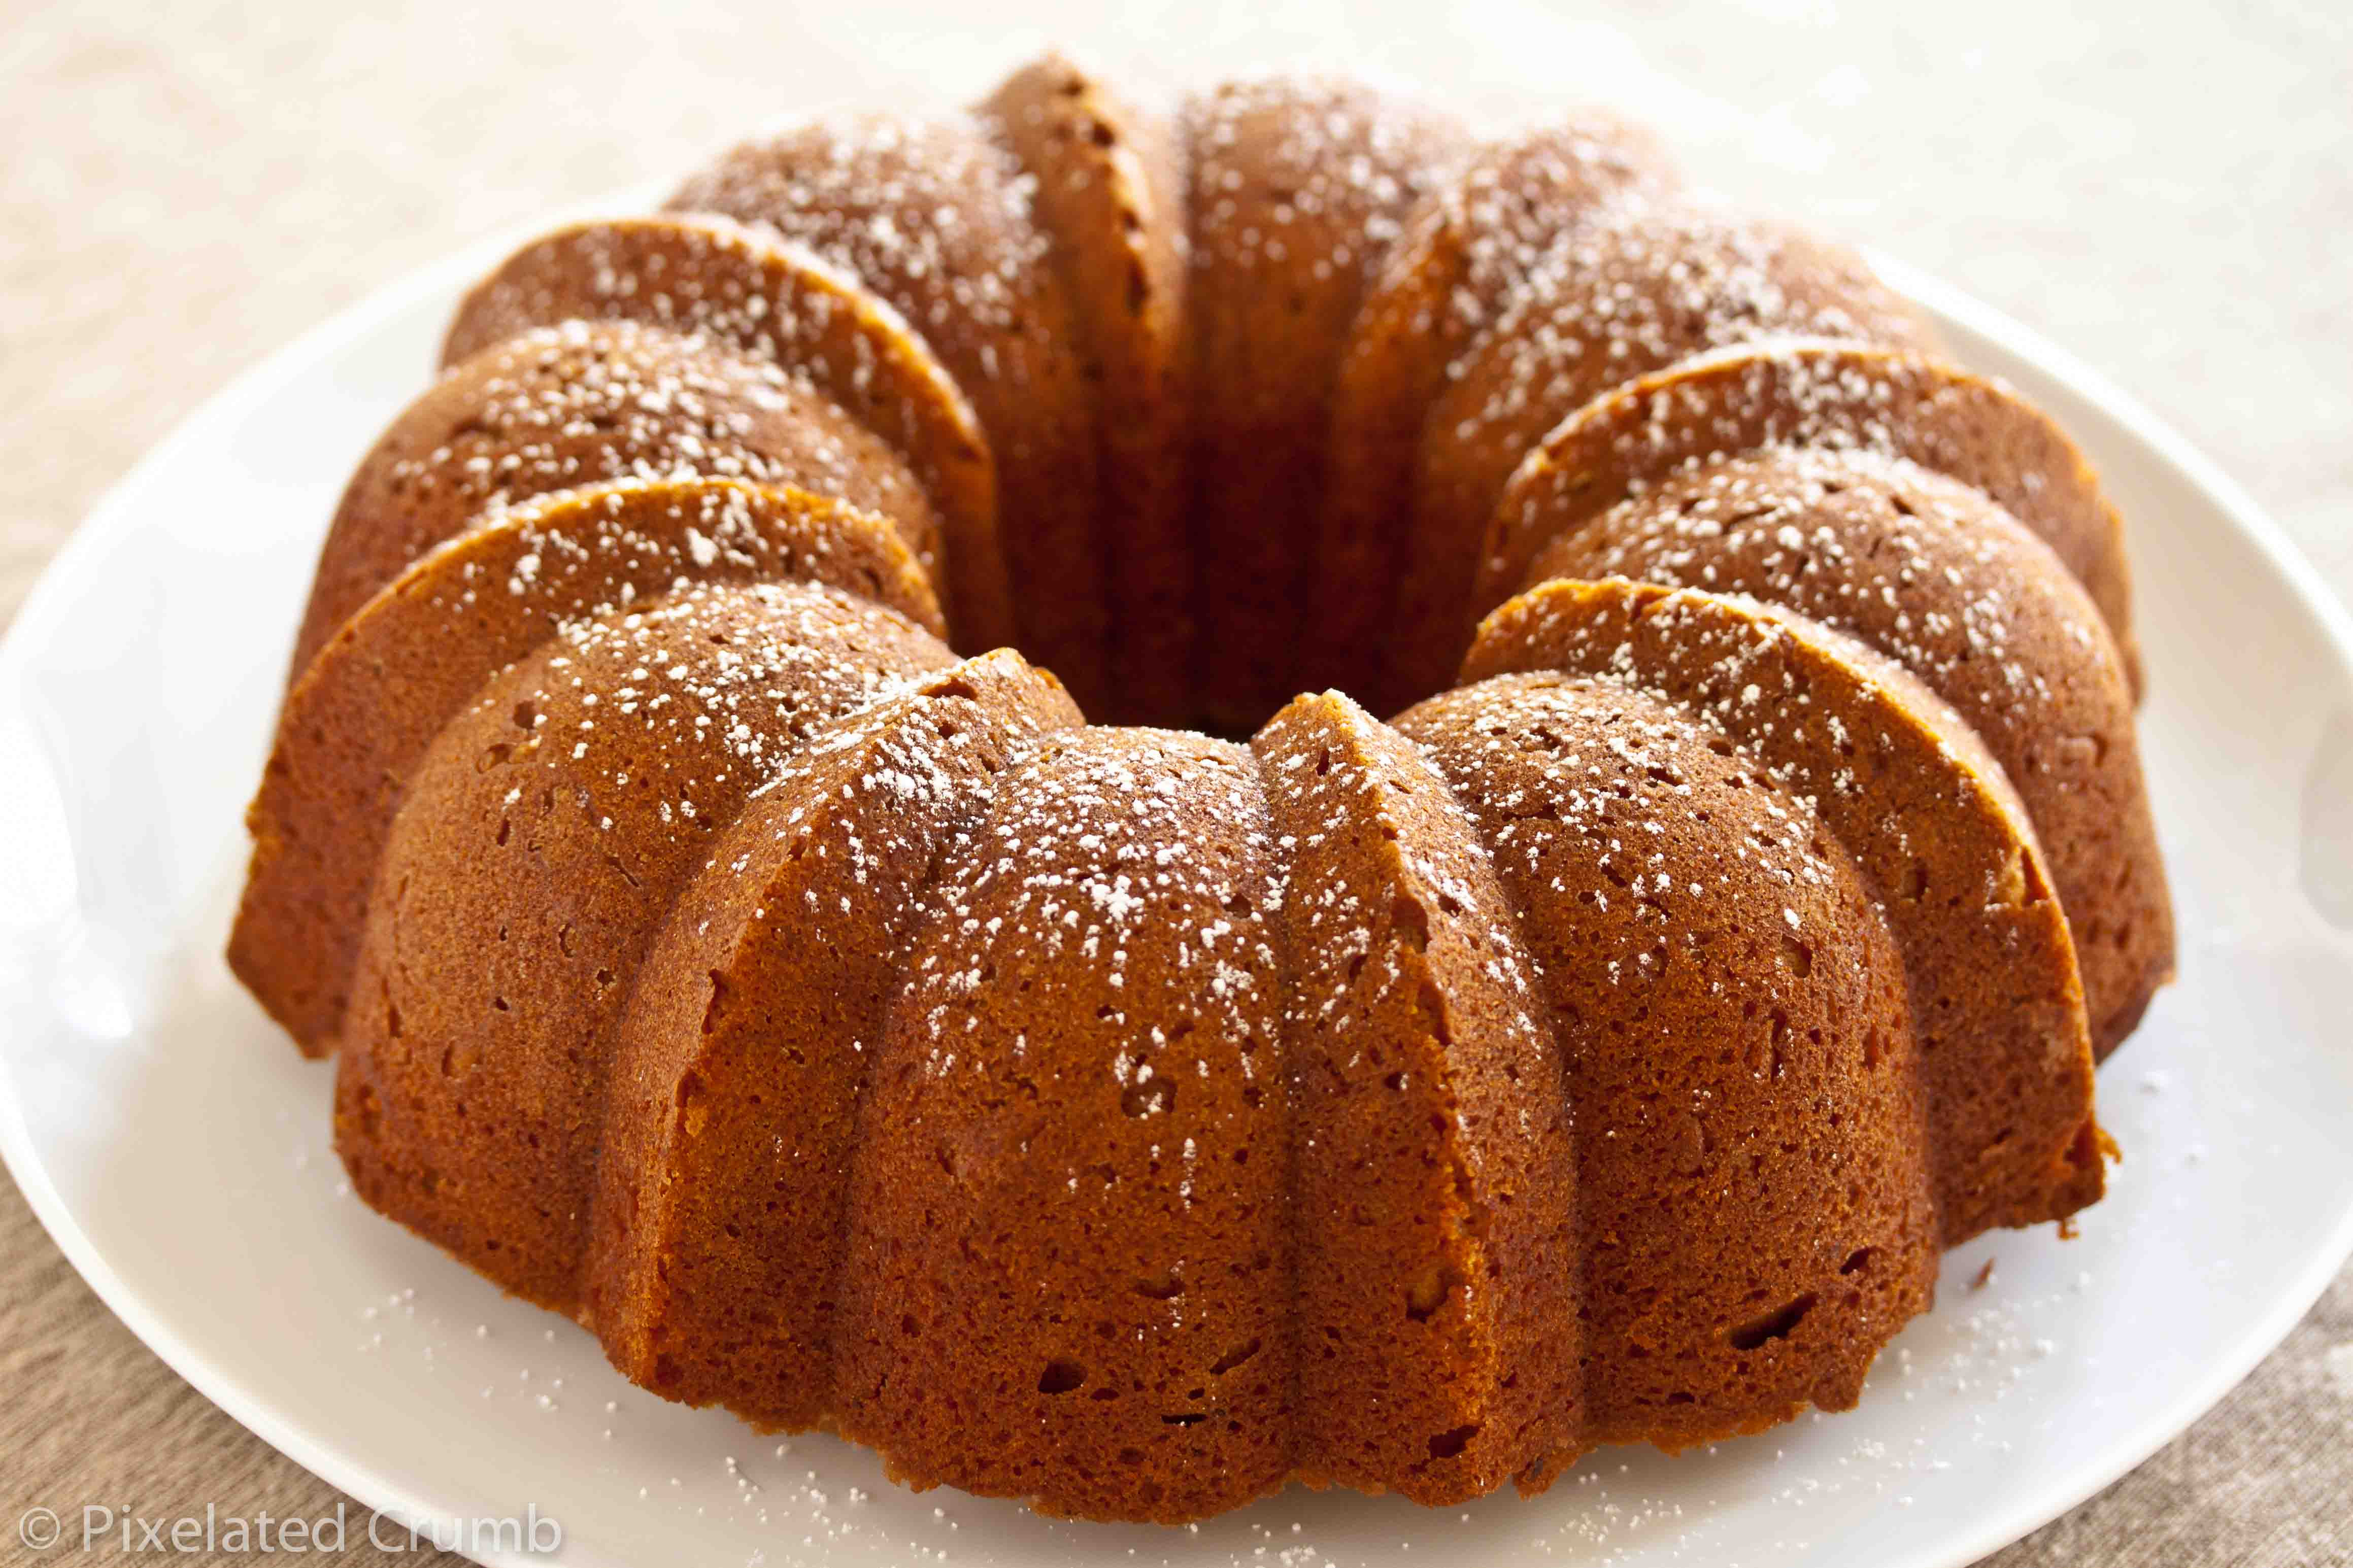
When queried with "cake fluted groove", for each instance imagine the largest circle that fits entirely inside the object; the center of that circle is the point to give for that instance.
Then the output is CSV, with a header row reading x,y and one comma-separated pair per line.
x,y
1935,575
1911,793
1109,175
352,729
931,213
1638,286
1754,1217
1436,1308
1465,252
1068,1280
1298,188
780,301
582,402
542,841
1815,393
743,1050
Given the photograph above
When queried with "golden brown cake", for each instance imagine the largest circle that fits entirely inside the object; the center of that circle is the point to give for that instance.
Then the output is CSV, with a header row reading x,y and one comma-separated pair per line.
x,y
728,939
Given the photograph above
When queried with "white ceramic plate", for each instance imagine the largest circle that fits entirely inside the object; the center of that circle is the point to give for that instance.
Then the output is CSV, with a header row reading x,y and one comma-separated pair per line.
x,y
177,1148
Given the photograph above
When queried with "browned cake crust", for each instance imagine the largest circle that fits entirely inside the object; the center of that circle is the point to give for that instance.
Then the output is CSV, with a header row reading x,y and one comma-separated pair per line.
x,y
1625,293
781,303
1111,185
1298,189
1069,1273
1949,853
585,402
372,702
1938,577
743,1055
1466,251
1439,1349
1131,1122
1754,1215
544,835
935,216
1973,428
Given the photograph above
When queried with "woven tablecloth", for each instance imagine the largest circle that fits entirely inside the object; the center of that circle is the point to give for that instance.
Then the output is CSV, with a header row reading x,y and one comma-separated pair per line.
x,y
2169,194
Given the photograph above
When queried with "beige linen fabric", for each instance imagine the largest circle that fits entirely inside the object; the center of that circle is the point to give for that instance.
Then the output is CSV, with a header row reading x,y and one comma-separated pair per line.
x,y
183,189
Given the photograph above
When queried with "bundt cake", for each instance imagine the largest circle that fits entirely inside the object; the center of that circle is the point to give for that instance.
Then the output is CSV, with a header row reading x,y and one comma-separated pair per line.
x,y
728,940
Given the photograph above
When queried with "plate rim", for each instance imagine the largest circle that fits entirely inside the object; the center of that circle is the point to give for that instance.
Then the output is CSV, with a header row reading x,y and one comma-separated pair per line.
x,y
112,515
2197,1395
